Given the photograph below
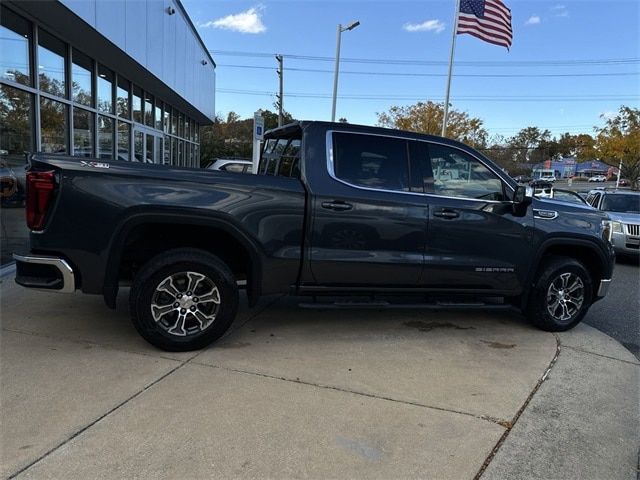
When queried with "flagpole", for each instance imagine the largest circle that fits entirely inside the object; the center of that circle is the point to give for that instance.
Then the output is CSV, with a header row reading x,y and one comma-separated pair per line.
x,y
453,47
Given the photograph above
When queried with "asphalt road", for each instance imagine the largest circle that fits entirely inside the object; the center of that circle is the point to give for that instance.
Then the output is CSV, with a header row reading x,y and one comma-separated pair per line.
x,y
618,314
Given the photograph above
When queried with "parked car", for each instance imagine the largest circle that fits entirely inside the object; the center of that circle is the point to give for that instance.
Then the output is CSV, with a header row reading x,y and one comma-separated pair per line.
x,y
623,208
522,179
624,183
11,186
335,209
238,165
548,178
598,178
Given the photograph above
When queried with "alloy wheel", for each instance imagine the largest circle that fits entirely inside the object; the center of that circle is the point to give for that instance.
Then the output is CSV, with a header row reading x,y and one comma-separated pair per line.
x,y
565,296
185,303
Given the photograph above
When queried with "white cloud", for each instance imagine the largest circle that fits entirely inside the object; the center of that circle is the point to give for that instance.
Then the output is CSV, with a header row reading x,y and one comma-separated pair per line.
x,y
249,21
427,26
559,11
533,20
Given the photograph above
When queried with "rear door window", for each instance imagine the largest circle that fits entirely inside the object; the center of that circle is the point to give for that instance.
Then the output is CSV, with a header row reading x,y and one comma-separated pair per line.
x,y
371,161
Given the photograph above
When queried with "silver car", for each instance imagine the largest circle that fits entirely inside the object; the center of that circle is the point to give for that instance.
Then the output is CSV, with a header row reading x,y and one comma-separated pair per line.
x,y
623,208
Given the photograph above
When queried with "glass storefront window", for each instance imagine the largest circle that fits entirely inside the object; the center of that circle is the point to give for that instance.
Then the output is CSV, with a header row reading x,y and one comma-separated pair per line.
x,y
53,126
16,116
16,125
82,133
181,153
197,155
148,109
136,104
187,128
158,157
167,150
124,137
174,151
105,89
138,146
15,35
166,120
174,122
123,108
105,137
81,84
180,126
52,54
149,158
158,114
197,131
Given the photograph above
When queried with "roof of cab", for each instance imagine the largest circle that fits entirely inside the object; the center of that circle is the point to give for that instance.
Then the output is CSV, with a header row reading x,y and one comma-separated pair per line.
x,y
300,125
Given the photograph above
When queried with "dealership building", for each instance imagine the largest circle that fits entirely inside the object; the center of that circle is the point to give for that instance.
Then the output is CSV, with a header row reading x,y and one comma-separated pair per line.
x,y
111,79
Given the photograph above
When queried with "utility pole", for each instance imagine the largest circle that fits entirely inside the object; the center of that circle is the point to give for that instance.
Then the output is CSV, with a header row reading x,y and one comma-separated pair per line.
x,y
280,99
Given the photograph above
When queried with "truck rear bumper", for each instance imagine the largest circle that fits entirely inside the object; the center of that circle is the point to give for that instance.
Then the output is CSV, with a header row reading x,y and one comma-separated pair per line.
x,y
45,273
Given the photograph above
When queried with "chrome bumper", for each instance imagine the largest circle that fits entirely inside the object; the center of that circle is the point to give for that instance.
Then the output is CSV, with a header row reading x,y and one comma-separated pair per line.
x,y
603,288
58,277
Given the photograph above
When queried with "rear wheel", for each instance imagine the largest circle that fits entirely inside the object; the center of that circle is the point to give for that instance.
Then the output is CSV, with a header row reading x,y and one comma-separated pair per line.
x,y
183,300
561,296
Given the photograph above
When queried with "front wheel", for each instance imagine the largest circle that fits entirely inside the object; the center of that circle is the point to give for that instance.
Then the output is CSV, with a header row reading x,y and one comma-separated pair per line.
x,y
561,296
183,300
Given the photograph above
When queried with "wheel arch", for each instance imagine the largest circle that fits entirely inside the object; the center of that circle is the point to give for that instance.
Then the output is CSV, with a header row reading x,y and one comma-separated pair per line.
x,y
586,251
205,232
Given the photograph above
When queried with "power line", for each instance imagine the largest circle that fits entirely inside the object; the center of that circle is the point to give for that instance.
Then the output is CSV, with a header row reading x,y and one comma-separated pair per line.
x,y
411,74
505,98
521,63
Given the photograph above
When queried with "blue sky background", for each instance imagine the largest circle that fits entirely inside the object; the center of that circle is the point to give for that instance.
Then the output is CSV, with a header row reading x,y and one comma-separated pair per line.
x,y
543,32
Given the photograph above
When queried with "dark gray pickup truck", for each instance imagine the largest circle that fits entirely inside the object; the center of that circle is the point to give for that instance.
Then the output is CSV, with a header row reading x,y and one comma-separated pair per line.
x,y
335,209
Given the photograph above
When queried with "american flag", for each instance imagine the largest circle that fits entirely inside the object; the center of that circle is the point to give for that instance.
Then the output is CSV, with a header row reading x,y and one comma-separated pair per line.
x,y
489,20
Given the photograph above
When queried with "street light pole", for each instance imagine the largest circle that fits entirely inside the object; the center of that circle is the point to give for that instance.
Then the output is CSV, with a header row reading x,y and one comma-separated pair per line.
x,y
339,31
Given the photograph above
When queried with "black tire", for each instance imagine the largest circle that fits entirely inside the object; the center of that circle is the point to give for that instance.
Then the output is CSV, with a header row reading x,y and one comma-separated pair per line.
x,y
189,331
542,299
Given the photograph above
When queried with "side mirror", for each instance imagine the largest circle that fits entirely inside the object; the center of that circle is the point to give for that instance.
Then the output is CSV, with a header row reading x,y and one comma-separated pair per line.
x,y
523,195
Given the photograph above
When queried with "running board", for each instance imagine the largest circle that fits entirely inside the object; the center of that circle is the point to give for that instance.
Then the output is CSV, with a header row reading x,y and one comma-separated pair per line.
x,y
440,305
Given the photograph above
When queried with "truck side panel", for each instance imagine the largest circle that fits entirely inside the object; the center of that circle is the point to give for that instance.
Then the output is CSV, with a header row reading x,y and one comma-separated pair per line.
x,y
94,204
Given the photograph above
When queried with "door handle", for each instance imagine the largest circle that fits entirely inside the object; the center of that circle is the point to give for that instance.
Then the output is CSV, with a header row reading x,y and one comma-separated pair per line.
x,y
448,214
337,205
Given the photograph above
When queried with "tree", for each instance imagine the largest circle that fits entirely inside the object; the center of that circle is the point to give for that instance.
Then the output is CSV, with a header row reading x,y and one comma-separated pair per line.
x,y
427,118
619,141
271,118
531,145
233,137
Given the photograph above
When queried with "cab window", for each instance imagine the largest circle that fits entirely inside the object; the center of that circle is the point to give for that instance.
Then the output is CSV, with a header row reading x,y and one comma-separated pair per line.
x,y
371,161
453,173
278,157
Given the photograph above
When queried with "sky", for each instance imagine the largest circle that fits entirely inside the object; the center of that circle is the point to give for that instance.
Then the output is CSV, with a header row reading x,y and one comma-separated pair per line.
x,y
570,63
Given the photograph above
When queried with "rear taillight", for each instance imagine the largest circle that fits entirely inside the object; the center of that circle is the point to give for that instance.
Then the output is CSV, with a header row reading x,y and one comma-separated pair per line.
x,y
40,187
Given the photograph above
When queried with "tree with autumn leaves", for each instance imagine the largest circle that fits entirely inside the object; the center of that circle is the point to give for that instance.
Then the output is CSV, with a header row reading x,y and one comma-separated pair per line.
x,y
618,142
426,117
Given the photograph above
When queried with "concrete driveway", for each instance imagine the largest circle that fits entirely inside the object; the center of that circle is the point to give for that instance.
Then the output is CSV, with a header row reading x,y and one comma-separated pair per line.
x,y
293,392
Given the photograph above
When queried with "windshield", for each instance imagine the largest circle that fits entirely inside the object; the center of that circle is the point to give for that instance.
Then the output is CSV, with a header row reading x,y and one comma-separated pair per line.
x,y
621,203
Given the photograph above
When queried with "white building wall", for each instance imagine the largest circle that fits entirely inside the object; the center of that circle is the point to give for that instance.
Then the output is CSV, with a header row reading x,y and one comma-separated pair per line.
x,y
164,44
